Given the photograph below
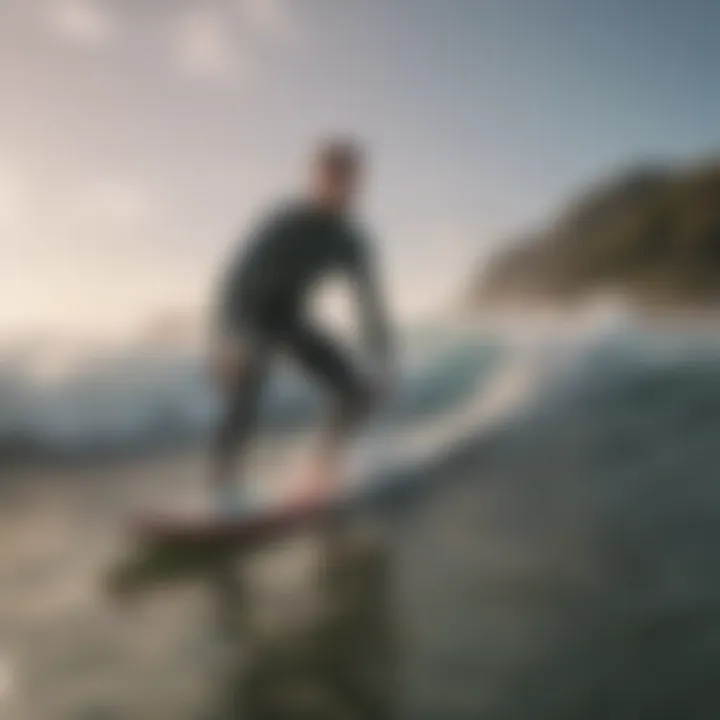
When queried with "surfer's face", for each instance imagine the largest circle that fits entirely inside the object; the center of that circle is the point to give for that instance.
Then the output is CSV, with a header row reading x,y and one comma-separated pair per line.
x,y
336,180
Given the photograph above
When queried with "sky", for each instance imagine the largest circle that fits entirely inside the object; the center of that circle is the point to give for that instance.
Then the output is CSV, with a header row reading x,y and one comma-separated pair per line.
x,y
139,138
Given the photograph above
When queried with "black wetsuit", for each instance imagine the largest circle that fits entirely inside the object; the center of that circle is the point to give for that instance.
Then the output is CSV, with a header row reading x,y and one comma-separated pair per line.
x,y
264,300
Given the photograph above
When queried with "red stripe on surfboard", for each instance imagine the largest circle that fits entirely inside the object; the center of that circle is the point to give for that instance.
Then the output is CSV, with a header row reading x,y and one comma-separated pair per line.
x,y
164,527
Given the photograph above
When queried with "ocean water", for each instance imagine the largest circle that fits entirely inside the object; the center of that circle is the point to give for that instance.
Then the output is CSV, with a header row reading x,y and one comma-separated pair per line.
x,y
571,570
75,403
559,559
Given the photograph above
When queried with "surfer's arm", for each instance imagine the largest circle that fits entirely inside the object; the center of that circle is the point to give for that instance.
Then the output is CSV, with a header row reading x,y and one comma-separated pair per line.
x,y
235,294
373,312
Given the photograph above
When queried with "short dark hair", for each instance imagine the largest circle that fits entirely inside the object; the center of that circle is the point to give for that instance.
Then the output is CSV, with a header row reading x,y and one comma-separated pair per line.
x,y
339,155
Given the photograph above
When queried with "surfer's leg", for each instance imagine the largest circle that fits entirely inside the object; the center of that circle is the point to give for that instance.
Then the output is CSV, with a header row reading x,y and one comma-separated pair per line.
x,y
238,420
324,359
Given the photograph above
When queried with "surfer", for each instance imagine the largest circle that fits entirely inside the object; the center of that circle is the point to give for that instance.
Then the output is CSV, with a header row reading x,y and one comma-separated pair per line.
x,y
262,311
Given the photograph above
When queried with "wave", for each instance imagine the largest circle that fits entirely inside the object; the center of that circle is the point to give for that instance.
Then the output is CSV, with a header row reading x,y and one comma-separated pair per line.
x,y
455,380
130,400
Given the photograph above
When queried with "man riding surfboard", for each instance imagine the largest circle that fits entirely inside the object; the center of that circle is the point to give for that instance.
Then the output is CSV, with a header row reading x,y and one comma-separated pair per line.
x,y
262,311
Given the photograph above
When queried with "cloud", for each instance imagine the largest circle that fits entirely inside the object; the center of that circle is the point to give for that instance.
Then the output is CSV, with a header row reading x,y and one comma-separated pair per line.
x,y
83,22
204,44
119,202
270,19
78,213
216,42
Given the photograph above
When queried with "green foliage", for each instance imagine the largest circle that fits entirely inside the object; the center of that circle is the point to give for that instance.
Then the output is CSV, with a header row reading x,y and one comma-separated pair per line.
x,y
654,235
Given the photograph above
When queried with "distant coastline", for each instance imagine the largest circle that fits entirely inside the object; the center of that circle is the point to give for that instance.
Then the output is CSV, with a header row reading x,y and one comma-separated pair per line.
x,y
651,236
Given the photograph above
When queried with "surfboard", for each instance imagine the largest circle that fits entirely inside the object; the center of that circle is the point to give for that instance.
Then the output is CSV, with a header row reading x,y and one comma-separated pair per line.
x,y
210,527
170,547
262,523
382,487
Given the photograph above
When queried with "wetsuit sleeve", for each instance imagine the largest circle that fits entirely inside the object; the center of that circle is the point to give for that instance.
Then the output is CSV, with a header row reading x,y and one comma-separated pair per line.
x,y
372,307
234,289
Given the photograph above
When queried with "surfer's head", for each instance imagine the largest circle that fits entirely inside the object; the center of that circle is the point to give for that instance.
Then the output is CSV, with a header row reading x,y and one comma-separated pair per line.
x,y
336,171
